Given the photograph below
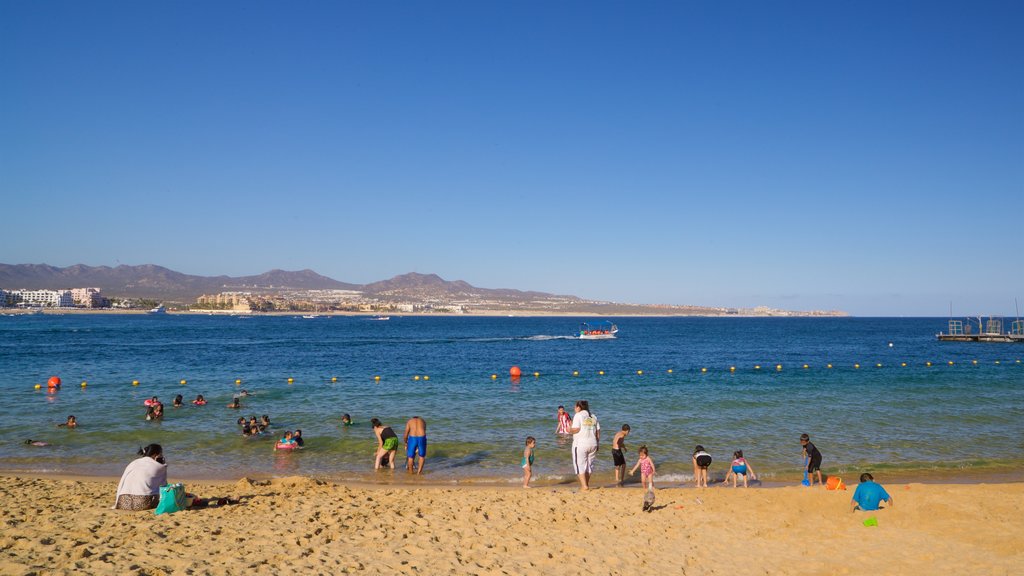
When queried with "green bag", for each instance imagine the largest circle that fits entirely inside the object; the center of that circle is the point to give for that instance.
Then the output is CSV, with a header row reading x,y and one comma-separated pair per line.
x,y
172,498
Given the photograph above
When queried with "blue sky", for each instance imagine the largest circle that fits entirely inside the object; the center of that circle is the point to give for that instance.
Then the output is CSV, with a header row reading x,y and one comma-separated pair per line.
x,y
862,156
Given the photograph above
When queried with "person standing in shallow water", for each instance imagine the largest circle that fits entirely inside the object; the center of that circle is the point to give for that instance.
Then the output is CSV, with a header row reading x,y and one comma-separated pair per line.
x,y
415,443
586,438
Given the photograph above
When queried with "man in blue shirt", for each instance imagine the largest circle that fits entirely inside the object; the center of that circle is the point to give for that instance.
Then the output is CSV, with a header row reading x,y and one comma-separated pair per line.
x,y
869,495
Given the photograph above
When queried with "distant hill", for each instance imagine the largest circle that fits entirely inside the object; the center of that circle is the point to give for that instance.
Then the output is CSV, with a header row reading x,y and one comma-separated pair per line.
x,y
150,281
421,286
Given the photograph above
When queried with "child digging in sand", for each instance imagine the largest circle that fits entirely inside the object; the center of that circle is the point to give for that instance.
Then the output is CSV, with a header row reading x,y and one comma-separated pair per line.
x,y
531,445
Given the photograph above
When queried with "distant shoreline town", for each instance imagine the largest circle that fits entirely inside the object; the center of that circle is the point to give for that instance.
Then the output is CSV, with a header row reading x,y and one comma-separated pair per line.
x,y
141,288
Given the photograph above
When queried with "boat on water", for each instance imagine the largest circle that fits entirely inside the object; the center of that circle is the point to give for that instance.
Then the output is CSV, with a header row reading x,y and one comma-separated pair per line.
x,y
158,310
600,330
310,316
381,318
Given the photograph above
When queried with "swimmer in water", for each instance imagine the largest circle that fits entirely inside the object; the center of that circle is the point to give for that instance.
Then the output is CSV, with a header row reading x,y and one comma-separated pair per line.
x,y
199,401
241,421
297,438
264,420
177,401
36,443
235,404
346,420
71,423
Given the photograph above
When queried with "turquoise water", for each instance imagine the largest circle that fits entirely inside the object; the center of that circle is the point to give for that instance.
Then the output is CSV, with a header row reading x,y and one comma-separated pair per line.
x,y
963,416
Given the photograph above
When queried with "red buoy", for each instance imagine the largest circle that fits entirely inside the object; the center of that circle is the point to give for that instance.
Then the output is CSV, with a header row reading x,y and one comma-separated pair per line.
x,y
53,382
515,372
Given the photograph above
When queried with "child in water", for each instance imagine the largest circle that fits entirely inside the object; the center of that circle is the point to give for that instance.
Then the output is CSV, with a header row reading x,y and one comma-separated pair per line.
x,y
701,461
177,401
264,420
646,465
199,401
531,444
71,423
740,467
618,456
286,440
235,403
564,421
297,438
346,420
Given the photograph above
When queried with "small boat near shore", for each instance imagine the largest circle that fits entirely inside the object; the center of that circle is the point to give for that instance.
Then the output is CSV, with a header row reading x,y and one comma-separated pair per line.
x,y
599,330
158,310
380,318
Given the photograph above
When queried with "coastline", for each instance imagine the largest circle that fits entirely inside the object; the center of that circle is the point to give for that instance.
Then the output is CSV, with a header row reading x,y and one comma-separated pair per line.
x,y
482,313
305,525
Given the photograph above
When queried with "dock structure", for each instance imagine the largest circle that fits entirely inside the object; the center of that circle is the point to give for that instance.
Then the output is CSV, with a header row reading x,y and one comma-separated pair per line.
x,y
990,331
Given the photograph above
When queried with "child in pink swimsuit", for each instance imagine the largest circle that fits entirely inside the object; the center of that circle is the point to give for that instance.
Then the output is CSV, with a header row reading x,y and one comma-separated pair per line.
x,y
646,465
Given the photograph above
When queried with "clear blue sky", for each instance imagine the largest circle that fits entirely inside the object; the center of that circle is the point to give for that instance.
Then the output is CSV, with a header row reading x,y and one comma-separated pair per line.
x,y
864,156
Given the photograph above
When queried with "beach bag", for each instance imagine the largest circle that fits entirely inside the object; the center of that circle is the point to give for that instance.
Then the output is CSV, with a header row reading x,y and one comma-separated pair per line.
x,y
172,499
835,483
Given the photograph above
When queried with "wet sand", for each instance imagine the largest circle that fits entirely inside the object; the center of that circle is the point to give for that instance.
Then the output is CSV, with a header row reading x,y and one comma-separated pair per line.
x,y
307,526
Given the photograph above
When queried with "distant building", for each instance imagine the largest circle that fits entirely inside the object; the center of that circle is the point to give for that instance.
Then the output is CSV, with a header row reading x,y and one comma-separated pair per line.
x,y
239,301
89,298
45,298
3,299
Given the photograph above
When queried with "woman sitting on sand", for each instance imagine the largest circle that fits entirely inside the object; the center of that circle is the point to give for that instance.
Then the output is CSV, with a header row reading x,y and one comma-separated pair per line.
x,y
140,484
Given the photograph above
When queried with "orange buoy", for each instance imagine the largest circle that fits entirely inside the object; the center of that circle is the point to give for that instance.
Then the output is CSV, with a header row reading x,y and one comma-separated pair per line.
x,y
514,371
53,382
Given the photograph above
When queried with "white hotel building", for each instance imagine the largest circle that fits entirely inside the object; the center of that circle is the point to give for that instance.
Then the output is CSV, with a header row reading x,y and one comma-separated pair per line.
x,y
46,298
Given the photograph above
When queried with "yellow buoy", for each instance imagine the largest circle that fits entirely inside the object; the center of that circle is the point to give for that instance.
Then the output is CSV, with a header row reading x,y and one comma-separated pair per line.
x,y
778,366
575,373
856,365
600,373
903,364
334,378
927,363
536,374
377,378
669,370
38,386
416,377
703,370
84,383
238,381
639,372
806,366
950,362
828,366
732,368
135,382
290,380
183,381
878,365
426,377
494,376
975,362
757,367
997,361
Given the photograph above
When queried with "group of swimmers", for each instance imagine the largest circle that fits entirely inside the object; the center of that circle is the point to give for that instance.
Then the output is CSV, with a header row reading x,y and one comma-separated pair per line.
x,y
253,427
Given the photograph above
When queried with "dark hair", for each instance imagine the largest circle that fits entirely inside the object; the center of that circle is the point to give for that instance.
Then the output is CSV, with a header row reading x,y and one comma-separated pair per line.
x,y
625,427
344,416
737,454
699,448
71,417
152,450
200,397
178,398
530,439
297,431
264,417
241,421
583,404
562,407
805,437
642,449
866,476
375,422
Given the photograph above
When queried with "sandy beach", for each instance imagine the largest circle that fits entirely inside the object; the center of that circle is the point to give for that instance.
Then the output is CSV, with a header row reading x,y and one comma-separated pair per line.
x,y
300,525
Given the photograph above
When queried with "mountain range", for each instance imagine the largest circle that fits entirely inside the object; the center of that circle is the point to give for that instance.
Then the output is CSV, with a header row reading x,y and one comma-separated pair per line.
x,y
157,282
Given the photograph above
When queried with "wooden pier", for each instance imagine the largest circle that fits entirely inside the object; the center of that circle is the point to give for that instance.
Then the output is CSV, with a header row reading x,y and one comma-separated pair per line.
x,y
991,331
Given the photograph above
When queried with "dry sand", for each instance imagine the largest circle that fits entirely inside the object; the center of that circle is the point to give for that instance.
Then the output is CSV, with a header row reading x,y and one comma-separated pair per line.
x,y
305,526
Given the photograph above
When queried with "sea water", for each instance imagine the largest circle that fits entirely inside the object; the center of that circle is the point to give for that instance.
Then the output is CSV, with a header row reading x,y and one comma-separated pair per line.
x,y
966,417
